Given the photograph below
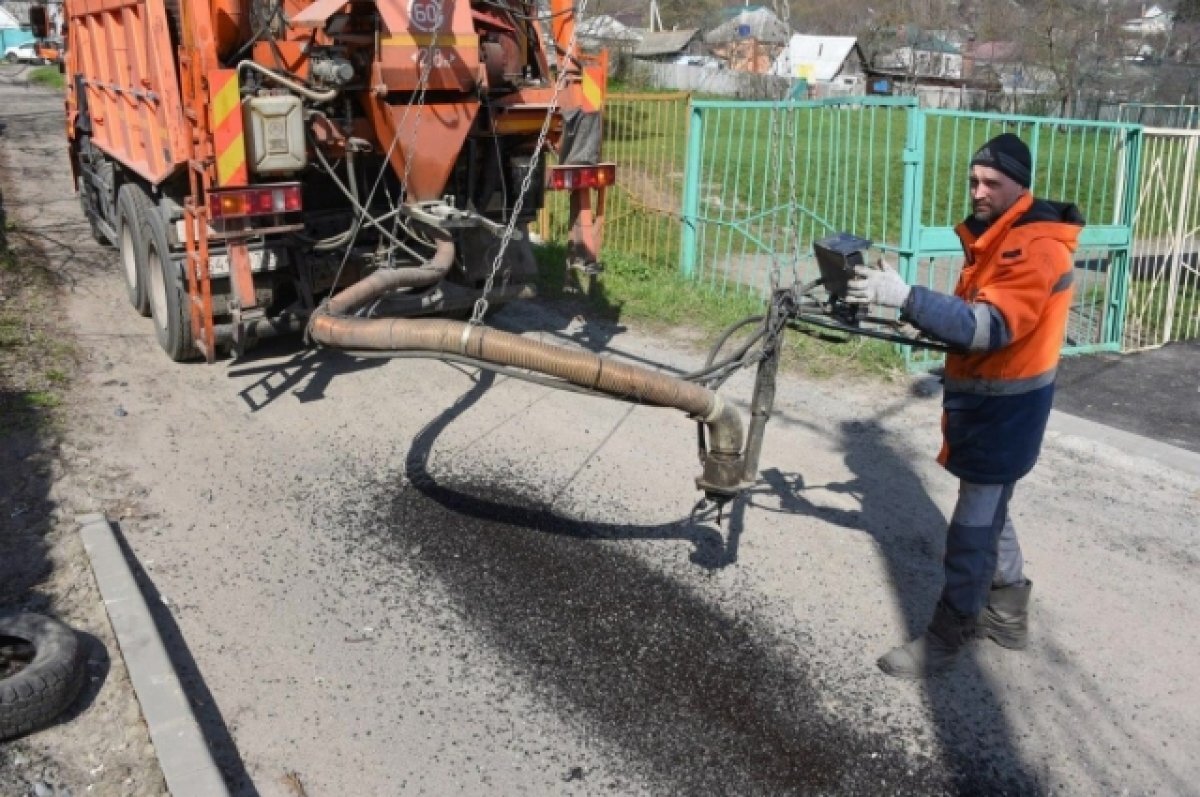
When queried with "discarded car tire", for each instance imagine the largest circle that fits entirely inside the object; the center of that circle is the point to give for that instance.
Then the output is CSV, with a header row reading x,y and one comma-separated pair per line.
x,y
55,665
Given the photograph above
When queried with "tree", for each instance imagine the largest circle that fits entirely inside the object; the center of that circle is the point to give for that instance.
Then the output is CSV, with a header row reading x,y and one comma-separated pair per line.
x,y
1077,42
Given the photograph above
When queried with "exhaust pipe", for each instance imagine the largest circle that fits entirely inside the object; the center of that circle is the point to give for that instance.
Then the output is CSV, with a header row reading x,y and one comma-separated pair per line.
x,y
333,325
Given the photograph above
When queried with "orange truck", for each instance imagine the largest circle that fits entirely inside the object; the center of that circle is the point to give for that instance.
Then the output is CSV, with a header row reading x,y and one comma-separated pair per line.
x,y
359,170
252,159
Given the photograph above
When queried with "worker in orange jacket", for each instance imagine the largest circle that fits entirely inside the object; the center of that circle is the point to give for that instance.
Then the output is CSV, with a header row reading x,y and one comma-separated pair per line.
x,y
1005,323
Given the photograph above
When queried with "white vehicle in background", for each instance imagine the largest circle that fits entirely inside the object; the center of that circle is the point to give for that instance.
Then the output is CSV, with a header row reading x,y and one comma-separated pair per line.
x,y
35,52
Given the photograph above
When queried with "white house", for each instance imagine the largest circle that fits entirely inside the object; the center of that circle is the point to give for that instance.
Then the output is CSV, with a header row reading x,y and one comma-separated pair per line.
x,y
1153,21
834,60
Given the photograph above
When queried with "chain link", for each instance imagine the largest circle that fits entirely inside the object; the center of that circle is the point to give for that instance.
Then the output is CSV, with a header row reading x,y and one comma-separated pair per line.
x,y
481,304
417,99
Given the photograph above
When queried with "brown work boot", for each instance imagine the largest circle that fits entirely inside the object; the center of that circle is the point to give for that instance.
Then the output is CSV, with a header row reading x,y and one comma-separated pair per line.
x,y
1005,621
933,652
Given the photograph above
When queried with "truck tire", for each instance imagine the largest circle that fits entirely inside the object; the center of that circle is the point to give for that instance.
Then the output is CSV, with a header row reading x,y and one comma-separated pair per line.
x,y
49,681
168,299
132,206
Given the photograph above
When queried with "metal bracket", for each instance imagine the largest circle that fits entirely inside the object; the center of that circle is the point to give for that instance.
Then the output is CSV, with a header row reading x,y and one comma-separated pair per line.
x,y
244,322
443,215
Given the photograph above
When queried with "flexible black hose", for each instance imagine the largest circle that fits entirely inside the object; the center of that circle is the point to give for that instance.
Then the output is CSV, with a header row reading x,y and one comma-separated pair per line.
x,y
869,332
733,359
724,337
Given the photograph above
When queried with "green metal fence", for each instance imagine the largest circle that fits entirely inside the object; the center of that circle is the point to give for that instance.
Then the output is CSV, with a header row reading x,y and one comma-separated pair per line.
x,y
1186,117
646,136
763,180
735,193
766,179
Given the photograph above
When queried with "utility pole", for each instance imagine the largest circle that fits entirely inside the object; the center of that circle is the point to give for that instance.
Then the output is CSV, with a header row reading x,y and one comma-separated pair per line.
x,y
783,10
655,17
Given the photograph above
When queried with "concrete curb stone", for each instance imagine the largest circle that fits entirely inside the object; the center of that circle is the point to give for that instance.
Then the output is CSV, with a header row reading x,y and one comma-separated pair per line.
x,y
186,762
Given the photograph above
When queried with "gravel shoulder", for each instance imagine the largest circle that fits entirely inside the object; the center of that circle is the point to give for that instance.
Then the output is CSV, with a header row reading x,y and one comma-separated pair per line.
x,y
382,577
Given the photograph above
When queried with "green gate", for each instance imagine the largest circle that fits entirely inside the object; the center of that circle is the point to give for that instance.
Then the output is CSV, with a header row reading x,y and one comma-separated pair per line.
x,y
1093,164
763,180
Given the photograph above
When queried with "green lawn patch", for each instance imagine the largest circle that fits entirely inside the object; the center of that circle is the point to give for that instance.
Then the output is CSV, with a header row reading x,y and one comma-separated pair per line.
x,y
657,298
49,76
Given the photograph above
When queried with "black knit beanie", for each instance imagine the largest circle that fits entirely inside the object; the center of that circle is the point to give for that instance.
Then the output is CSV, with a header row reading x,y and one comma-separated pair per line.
x,y
1008,154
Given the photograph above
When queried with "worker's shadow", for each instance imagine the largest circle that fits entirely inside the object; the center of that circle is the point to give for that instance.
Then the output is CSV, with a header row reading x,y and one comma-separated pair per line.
x,y
701,528
305,374
893,508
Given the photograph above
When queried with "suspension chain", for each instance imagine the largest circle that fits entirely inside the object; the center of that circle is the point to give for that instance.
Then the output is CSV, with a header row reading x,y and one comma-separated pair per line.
x,y
481,304
417,99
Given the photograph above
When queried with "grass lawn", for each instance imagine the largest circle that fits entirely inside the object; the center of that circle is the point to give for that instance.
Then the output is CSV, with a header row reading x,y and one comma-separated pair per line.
x,y
47,76
654,298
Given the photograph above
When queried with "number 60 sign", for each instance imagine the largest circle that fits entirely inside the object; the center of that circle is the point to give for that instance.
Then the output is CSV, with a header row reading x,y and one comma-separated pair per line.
x,y
426,15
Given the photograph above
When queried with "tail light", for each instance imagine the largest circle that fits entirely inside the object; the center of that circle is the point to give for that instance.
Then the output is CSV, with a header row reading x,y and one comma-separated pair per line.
x,y
571,178
255,201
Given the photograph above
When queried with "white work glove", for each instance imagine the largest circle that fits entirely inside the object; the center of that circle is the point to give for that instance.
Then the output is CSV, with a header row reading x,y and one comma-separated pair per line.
x,y
880,285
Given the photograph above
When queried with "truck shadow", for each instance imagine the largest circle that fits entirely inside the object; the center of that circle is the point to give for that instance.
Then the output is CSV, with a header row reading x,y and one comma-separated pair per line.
x,y
702,702
305,374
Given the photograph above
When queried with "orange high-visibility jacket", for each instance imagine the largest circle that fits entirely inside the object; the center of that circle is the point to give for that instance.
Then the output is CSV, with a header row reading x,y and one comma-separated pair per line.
x,y
1022,266
1000,385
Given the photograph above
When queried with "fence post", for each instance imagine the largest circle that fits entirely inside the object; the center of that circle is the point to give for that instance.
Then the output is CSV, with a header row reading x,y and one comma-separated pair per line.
x,y
691,192
1118,291
1185,202
914,190
911,204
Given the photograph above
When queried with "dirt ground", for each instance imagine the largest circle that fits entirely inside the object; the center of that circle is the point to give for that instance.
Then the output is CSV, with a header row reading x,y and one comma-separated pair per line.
x,y
100,745
403,577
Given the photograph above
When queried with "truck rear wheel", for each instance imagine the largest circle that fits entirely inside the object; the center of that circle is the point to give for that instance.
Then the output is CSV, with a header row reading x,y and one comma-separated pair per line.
x,y
132,207
168,300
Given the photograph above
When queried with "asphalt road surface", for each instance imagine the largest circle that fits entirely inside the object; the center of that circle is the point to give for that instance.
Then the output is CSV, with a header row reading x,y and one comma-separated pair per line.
x,y
1153,393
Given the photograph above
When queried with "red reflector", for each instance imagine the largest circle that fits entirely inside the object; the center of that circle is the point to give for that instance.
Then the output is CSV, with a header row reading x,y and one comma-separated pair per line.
x,y
291,198
261,201
572,178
